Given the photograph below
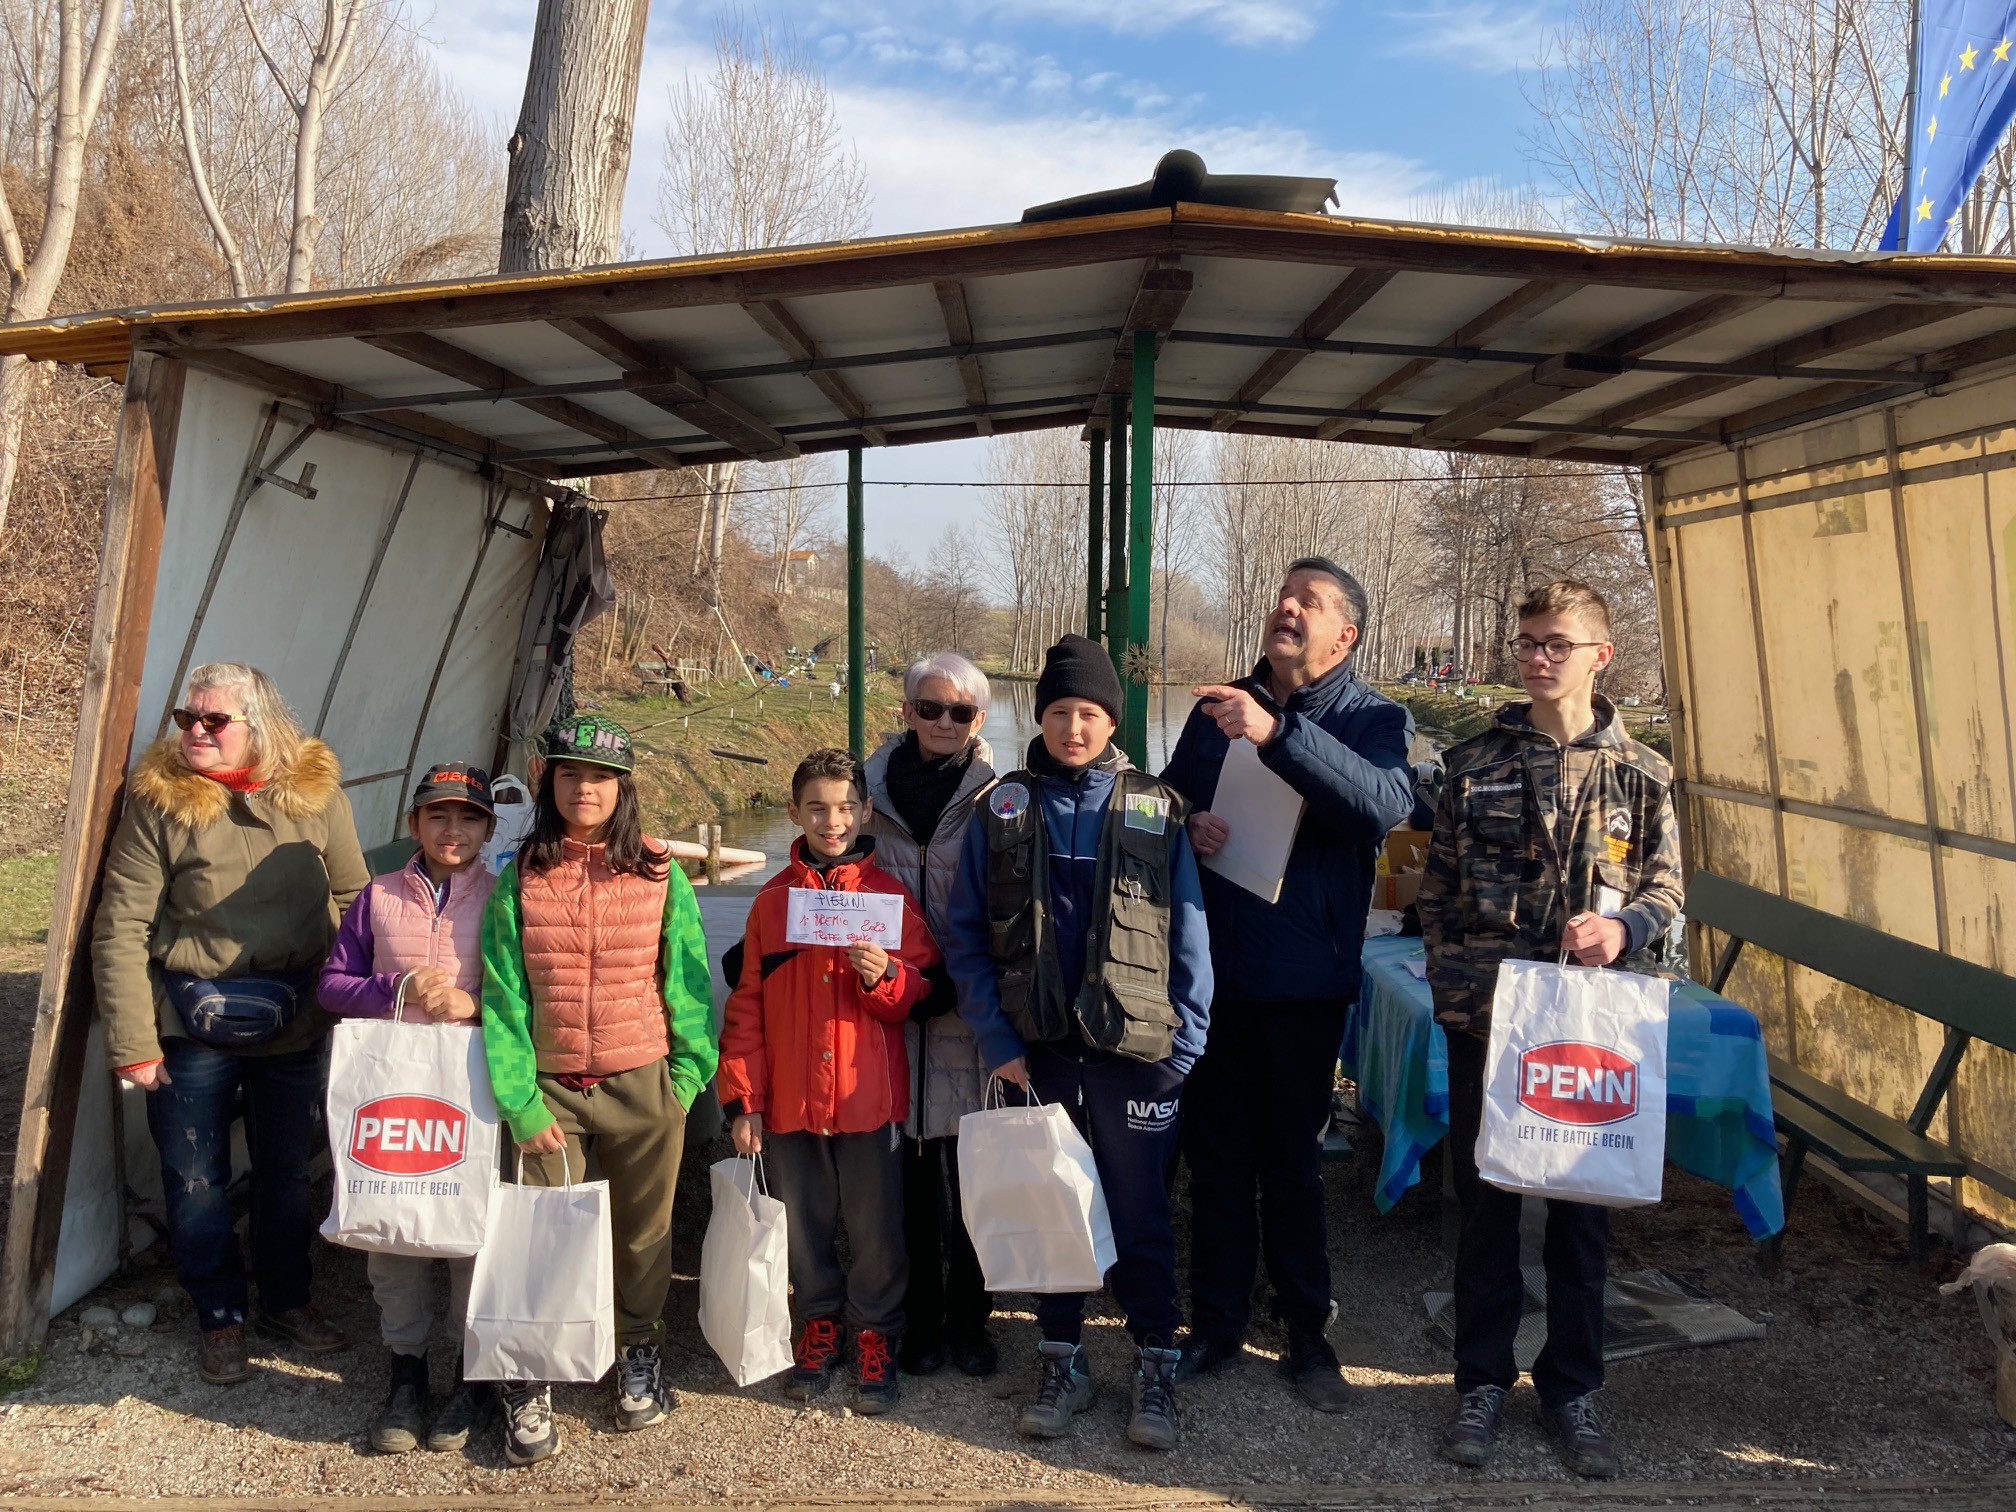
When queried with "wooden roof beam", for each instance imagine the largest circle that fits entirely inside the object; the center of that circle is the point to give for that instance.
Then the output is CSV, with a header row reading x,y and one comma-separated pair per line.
x,y
1339,305
959,332
464,366
1520,395
782,327
651,377
1157,306
1861,330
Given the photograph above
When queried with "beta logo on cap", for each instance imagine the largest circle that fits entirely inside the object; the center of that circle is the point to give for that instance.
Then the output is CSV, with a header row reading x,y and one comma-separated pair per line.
x,y
1574,1082
409,1134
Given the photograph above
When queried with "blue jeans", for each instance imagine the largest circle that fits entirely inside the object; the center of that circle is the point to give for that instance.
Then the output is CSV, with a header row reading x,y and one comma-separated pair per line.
x,y
190,1120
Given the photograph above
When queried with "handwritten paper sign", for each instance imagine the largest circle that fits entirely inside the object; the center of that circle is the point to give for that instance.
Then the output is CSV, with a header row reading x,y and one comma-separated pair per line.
x,y
844,918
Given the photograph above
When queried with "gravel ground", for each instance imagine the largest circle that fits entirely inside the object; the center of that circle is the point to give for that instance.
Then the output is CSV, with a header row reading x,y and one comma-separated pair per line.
x,y
1865,1372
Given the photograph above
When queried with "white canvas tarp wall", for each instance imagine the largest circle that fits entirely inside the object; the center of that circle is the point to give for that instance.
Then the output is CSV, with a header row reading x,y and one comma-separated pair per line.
x,y
388,609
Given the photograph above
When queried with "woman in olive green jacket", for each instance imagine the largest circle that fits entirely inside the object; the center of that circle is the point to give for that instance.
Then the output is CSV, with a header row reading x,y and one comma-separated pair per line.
x,y
227,878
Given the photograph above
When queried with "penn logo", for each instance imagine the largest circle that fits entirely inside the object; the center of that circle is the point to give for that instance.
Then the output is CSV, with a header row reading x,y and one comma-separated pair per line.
x,y
409,1135
1573,1082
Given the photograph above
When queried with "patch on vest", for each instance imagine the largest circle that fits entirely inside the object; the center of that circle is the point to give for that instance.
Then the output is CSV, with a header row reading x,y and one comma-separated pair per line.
x,y
1008,800
1617,836
1145,811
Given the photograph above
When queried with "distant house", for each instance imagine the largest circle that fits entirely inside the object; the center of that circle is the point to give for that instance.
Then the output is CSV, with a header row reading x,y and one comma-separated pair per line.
x,y
800,568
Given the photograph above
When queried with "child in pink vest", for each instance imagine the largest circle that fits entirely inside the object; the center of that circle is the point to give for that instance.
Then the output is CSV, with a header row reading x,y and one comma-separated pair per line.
x,y
411,945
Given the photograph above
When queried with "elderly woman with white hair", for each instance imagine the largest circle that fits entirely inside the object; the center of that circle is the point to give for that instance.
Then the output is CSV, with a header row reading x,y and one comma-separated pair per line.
x,y
226,880
923,783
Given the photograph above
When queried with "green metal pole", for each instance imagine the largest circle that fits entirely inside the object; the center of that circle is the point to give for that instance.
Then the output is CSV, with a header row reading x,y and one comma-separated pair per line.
x,y
1141,543
857,626
1116,528
1095,534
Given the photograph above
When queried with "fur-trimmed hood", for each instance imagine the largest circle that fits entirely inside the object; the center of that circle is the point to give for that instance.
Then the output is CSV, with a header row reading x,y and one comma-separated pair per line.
x,y
191,799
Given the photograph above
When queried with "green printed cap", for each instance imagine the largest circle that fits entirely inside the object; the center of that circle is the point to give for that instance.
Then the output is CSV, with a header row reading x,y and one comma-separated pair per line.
x,y
591,738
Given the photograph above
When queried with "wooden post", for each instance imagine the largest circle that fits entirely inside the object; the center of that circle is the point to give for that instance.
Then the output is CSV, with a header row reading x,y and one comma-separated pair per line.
x,y
135,513
714,853
1095,533
857,624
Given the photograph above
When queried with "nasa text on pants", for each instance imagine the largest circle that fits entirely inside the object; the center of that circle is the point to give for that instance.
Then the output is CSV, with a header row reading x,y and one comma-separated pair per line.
x,y
1575,1084
412,1136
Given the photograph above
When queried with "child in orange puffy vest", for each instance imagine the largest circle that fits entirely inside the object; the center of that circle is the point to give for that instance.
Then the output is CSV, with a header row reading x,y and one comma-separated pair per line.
x,y
816,1077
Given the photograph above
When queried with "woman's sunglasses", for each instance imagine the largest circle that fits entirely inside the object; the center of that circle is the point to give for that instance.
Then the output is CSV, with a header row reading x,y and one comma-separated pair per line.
x,y
214,722
930,710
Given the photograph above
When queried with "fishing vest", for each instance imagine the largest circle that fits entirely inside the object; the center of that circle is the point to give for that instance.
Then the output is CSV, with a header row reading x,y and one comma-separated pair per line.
x,y
1123,1003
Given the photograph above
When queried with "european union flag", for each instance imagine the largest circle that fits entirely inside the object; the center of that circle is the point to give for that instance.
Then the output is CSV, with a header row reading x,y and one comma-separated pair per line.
x,y
1966,93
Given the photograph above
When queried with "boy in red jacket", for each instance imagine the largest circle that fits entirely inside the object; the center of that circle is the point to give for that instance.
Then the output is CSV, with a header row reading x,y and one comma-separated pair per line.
x,y
815,1076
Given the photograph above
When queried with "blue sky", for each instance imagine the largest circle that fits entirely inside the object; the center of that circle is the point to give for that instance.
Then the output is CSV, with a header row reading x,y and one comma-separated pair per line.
x,y
966,111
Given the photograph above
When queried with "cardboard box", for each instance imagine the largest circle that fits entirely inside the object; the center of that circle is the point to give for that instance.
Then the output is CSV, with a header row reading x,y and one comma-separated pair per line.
x,y
1395,890
1406,850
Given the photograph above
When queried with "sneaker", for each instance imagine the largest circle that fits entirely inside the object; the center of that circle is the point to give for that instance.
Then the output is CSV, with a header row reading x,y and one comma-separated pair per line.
x,y
1154,1424
877,1382
1063,1389
403,1418
923,1352
467,1409
642,1397
1202,1356
220,1355
1472,1435
304,1327
530,1433
1311,1366
816,1359
1585,1444
974,1351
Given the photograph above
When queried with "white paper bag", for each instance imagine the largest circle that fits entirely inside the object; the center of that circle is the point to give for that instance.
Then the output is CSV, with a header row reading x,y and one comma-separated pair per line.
x,y
745,1275
412,1137
1575,1084
542,1301
1030,1195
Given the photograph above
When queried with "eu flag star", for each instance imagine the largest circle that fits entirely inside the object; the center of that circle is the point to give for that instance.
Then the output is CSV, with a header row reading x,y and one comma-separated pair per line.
x,y
2002,51
1944,85
1967,58
1925,209
1932,131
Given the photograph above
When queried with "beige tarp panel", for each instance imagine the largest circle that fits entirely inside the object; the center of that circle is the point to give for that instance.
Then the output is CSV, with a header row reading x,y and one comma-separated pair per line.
x,y
285,598
1845,751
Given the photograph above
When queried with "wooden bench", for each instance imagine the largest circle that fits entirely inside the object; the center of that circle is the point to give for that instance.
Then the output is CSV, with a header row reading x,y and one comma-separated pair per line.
x,y
1972,1002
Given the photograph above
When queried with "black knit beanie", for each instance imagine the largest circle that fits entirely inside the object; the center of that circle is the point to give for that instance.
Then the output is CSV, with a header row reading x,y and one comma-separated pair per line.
x,y
1079,668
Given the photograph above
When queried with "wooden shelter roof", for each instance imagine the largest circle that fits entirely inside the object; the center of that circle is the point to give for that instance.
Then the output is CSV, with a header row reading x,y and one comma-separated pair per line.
x,y
1583,348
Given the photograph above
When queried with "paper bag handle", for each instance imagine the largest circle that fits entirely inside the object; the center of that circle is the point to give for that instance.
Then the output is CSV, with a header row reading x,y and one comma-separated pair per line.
x,y
566,1167
759,1177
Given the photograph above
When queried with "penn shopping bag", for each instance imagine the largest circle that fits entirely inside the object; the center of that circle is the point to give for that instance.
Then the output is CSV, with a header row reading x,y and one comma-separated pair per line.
x,y
1575,1084
542,1301
1030,1194
745,1274
412,1137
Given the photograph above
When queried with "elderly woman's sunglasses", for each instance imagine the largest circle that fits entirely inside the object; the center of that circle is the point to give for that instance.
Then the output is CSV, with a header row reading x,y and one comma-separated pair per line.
x,y
930,710
214,721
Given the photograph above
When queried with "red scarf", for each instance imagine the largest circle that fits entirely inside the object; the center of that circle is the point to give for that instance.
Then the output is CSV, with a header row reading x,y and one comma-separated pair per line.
x,y
240,781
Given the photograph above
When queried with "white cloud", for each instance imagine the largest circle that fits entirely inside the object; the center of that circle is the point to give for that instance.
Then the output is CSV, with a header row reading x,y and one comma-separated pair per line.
x,y
1483,38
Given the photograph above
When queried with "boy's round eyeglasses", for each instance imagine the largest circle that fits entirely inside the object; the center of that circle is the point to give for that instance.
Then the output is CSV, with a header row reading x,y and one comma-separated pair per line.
x,y
215,722
1558,647
929,710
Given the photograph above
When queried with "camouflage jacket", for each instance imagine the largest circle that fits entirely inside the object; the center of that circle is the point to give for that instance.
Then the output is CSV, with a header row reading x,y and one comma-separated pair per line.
x,y
1507,868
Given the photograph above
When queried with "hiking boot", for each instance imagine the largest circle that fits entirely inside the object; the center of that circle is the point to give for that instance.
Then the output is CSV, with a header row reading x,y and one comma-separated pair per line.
x,y
1063,1389
642,1397
403,1418
815,1360
220,1355
304,1327
974,1352
923,1352
1311,1367
1472,1435
466,1410
1202,1356
877,1383
1154,1424
530,1433
1585,1444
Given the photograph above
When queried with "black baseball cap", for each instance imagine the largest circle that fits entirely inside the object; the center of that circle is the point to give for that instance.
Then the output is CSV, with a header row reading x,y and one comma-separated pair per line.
x,y
455,782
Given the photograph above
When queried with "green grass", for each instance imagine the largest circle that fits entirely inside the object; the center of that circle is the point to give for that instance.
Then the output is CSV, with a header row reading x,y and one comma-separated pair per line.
x,y
27,893
19,1375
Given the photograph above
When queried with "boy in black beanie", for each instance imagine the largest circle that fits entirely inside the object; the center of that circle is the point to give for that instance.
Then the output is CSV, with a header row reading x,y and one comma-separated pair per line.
x,y
1079,950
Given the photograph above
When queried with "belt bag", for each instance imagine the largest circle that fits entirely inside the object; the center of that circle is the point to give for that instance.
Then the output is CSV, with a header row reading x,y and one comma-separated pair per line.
x,y
236,1013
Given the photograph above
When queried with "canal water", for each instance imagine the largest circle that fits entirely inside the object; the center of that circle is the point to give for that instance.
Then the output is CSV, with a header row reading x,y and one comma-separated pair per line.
x,y
1011,725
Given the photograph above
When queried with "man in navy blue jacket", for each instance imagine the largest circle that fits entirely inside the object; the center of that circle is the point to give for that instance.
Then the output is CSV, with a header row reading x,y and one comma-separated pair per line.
x,y
1255,1107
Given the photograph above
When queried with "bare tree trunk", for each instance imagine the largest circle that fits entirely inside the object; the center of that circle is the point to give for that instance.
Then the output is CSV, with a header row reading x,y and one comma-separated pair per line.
x,y
227,244
570,155
341,21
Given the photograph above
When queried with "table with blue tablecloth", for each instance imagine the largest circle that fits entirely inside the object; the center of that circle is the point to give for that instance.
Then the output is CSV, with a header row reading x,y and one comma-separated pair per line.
x,y
1718,1089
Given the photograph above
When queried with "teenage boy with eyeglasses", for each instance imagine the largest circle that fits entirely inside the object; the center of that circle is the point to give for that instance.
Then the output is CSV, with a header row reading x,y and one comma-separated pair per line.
x,y
1554,834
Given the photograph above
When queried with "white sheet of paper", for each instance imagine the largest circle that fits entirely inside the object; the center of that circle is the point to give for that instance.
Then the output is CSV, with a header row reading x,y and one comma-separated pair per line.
x,y
844,918
1262,813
